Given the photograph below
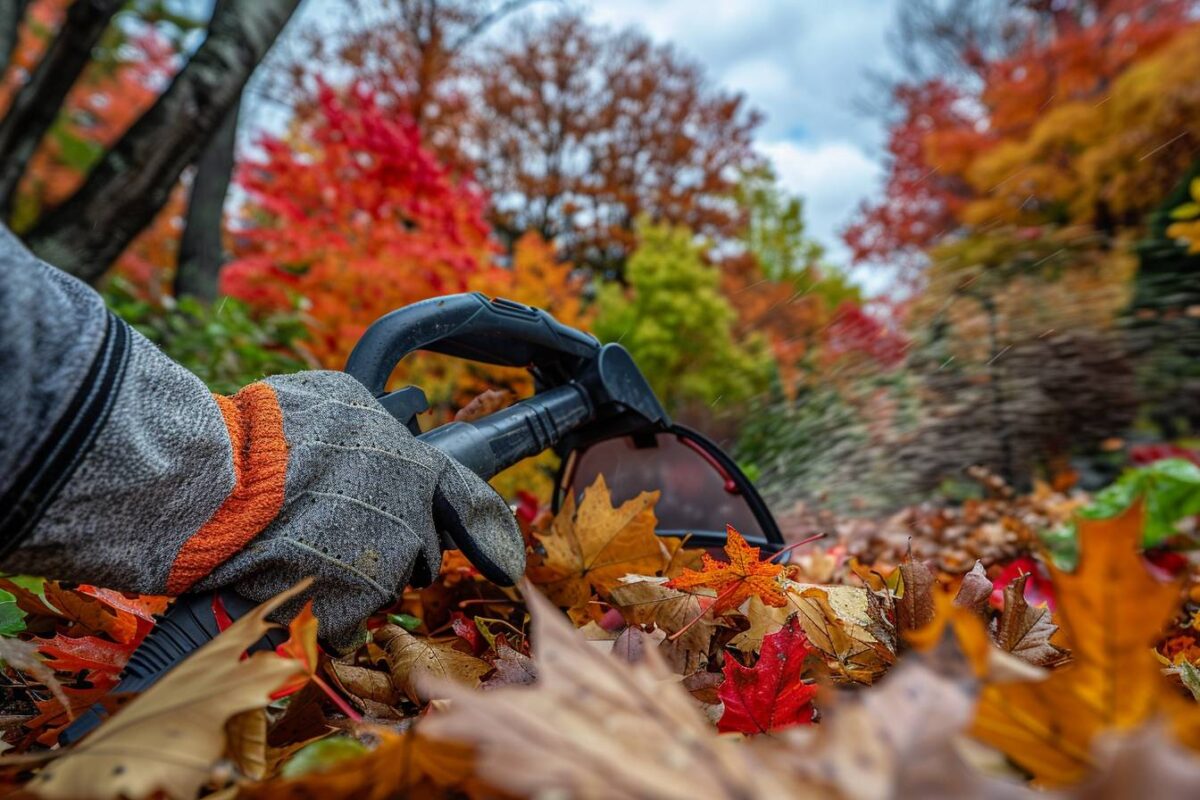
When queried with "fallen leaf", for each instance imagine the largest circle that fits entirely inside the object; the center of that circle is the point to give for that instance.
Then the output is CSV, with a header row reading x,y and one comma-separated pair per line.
x,y
914,609
167,739
322,755
769,696
487,402
72,654
1025,630
742,577
91,612
397,767
23,656
975,592
852,652
543,740
363,684
900,738
645,600
513,668
1111,609
596,545
764,620
1146,763
418,664
246,742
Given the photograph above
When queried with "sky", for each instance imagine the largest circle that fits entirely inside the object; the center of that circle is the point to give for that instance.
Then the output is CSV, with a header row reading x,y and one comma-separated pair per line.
x,y
806,64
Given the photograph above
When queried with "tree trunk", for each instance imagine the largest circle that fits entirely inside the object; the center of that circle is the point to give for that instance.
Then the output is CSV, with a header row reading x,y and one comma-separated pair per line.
x,y
201,250
133,180
36,105
11,14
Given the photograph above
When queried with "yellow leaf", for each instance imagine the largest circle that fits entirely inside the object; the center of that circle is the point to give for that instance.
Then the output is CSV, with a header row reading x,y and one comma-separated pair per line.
x,y
837,622
597,545
167,739
1111,610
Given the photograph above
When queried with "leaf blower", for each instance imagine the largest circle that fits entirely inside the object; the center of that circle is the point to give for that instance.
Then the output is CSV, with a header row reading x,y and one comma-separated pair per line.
x,y
591,405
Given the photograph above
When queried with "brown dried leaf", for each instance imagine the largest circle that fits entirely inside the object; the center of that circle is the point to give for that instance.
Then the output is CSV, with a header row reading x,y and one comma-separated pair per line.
x,y
597,545
976,590
644,600
419,664
484,403
1025,630
841,633
915,608
362,684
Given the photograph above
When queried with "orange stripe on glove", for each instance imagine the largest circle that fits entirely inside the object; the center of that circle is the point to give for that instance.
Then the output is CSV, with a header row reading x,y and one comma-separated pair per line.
x,y
260,455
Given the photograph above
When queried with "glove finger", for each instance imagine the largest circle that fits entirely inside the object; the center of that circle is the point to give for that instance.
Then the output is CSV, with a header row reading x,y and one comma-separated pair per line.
x,y
479,523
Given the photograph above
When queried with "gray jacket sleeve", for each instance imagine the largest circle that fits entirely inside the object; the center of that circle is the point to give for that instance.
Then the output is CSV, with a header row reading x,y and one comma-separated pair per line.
x,y
111,454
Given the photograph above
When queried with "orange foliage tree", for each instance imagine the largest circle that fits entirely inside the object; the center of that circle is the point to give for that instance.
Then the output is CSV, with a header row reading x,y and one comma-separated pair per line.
x,y
1073,121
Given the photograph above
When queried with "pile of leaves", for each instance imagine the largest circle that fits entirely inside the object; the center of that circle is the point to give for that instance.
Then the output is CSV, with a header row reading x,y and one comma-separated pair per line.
x,y
674,672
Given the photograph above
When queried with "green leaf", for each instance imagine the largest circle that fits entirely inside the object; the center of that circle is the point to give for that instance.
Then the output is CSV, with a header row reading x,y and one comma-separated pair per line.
x,y
1170,488
321,755
406,621
1186,211
12,619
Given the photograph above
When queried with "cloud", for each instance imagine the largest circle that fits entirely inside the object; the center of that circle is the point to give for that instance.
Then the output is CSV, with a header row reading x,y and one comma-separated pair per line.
x,y
808,66
831,176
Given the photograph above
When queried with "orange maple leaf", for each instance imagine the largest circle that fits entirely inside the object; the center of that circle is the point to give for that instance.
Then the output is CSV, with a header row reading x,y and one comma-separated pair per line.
x,y
742,577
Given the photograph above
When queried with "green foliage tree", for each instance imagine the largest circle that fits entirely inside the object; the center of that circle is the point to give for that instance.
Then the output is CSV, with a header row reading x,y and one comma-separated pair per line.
x,y
676,322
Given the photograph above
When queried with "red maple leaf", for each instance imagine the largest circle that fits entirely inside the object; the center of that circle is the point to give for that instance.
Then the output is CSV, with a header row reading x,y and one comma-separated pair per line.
x,y
770,695
742,577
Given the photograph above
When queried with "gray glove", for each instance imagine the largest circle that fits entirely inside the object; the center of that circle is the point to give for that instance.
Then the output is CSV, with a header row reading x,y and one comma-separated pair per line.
x,y
364,502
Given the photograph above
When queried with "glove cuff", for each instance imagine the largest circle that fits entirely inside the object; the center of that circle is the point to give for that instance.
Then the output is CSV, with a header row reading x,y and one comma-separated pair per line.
x,y
260,458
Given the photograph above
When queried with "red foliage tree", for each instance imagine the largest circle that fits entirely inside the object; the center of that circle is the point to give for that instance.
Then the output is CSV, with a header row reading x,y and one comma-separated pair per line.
x,y
351,213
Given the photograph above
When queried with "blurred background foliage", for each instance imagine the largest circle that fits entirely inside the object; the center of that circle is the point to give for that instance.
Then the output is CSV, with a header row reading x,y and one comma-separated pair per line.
x,y
1036,232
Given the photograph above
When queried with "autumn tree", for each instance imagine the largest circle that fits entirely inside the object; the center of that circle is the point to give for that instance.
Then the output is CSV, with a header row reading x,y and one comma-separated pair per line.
x,y
779,282
416,55
583,130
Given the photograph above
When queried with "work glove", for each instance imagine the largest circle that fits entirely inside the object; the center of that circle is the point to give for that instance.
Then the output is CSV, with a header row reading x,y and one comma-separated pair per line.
x,y
119,468
366,507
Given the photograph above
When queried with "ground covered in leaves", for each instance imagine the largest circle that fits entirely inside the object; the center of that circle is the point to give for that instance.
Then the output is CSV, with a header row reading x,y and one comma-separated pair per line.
x,y
1058,652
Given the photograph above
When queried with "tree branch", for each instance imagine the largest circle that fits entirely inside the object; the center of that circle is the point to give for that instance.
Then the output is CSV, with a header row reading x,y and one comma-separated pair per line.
x,y
11,14
132,182
201,250
37,104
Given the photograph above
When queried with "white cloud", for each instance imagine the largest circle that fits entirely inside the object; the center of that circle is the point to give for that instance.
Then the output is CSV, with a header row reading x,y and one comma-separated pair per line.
x,y
832,177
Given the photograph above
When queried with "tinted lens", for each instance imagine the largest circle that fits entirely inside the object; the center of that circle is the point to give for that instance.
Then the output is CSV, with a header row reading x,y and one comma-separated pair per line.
x,y
696,494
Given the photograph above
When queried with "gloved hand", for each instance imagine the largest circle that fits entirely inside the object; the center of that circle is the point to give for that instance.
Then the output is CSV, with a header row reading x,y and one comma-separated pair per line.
x,y
119,468
363,504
